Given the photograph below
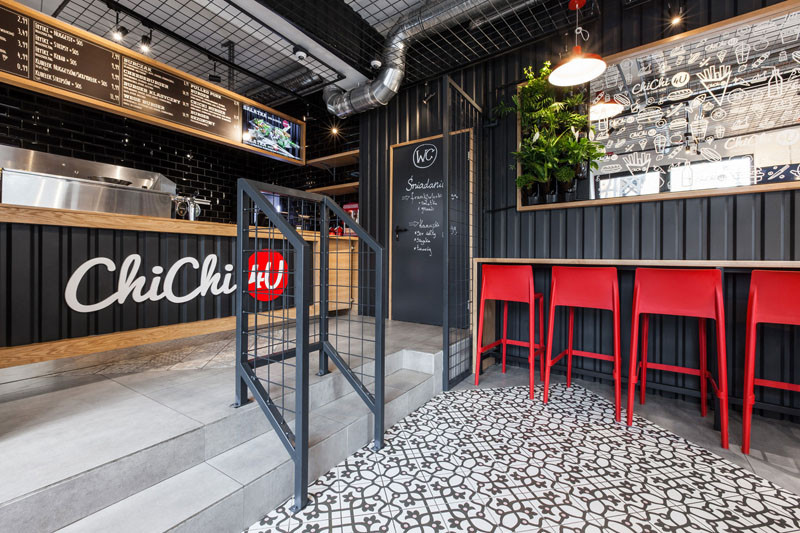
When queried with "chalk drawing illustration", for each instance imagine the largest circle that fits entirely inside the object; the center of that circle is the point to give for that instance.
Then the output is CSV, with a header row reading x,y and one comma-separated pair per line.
x,y
796,173
763,57
699,128
772,174
783,57
719,132
637,162
741,124
761,44
721,55
718,114
660,143
796,56
716,77
710,154
742,52
681,79
775,84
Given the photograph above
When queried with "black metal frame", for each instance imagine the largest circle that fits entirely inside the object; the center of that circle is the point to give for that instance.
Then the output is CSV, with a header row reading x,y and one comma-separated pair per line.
x,y
296,441
459,111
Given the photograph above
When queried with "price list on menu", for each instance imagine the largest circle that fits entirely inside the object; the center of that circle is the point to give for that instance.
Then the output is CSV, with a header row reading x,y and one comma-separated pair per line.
x,y
14,43
67,62
157,93
48,55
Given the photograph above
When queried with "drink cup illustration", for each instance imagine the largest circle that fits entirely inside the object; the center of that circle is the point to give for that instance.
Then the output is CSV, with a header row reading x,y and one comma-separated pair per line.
x,y
699,128
742,51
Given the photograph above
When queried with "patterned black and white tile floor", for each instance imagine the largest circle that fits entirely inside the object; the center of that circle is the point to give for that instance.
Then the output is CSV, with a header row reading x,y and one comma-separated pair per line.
x,y
493,460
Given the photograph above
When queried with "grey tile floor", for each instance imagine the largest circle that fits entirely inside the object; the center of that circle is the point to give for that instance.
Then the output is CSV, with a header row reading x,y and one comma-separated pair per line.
x,y
493,460
775,445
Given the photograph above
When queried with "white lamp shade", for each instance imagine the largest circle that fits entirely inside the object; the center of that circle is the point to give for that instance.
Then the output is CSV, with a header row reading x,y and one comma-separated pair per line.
x,y
604,110
580,68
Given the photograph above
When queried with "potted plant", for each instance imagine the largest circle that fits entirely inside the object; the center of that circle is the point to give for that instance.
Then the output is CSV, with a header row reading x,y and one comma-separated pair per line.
x,y
552,148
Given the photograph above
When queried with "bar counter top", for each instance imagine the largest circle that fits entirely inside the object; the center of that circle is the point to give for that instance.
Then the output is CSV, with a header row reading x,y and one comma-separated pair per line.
x,y
90,219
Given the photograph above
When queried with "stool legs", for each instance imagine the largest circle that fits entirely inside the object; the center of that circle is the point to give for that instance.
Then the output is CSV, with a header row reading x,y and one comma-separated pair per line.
x,y
645,338
617,366
479,343
549,346
722,375
703,368
505,334
531,349
749,384
541,337
569,346
633,367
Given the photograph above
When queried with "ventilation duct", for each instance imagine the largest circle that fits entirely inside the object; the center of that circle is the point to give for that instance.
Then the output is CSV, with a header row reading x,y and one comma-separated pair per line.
x,y
423,21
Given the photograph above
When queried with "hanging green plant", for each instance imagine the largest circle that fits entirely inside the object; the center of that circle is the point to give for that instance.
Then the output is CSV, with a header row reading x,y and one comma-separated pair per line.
x,y
553,146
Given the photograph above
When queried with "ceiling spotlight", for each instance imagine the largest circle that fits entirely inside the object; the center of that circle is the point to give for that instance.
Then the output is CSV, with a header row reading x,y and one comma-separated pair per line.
x,y
118,32
144,44
675,14
334,131
578,68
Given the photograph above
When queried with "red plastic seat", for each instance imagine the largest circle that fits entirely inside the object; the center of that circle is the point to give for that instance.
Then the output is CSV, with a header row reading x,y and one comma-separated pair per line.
x,y
774,299
590,287
693,293
510,283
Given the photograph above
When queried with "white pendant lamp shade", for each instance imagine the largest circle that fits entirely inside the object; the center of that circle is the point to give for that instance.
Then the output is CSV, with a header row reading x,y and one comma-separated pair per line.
x,y
603,107
578,69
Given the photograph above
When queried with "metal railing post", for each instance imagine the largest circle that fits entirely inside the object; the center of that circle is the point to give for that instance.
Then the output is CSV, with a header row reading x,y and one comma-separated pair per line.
x,y
241,330
380,324
303,288
323,289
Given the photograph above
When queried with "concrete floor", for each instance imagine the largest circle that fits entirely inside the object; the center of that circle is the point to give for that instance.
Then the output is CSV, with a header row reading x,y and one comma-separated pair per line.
x,y
774,446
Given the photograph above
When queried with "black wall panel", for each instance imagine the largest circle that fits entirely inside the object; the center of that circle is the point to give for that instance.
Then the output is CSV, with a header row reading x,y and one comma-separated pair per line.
x,y
37,261
753,226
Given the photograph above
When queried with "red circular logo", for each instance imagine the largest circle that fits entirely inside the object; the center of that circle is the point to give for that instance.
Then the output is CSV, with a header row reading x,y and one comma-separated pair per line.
x,y
268,275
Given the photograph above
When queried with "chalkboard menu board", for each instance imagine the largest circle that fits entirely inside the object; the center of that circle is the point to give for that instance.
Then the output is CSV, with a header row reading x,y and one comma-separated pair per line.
x,y
42,54
419,193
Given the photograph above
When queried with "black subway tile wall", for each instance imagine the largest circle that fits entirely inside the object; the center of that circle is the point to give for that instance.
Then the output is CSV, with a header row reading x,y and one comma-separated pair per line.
x,y
206,169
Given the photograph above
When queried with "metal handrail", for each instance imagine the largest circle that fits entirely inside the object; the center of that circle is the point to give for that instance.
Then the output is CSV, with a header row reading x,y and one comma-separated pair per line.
x,y
296,443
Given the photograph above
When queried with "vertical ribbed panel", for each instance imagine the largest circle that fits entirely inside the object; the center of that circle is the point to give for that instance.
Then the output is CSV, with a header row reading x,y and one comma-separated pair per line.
x,y
752,226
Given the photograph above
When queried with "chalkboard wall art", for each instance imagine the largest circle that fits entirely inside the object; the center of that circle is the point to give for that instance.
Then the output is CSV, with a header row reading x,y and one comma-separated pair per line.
x,y
713,111
43,54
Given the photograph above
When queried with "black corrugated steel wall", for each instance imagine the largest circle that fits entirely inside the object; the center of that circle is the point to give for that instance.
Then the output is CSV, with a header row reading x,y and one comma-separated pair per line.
x,y
753,226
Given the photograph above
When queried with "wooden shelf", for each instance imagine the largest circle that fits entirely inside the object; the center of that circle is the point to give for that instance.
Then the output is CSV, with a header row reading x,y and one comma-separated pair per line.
x,y
341,188
336,160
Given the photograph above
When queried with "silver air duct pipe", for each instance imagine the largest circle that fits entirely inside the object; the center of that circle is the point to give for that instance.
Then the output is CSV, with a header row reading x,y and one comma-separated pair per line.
x,y
382,89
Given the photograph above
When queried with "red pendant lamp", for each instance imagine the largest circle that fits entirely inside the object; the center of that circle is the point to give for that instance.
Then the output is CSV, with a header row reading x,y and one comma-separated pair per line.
x,y
579,67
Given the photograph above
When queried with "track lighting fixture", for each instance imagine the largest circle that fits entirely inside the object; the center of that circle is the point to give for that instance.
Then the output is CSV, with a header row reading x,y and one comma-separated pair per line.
x,y
214,77
146,42
118,32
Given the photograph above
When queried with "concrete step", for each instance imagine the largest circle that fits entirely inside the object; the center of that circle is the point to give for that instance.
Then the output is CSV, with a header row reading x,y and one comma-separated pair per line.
x,y
75,445
257,474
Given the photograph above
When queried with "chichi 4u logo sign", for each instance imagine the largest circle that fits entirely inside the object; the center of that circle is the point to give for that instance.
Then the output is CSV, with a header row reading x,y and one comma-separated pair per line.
x,y
268,277
267,280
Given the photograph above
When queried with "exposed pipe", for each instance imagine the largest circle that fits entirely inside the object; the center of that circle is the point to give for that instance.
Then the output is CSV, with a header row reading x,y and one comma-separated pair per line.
x,y
385,86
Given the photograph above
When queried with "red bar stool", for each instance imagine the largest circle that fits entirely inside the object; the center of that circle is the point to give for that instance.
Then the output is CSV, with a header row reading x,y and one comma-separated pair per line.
x,y
590,287
510,283
774,298
693,293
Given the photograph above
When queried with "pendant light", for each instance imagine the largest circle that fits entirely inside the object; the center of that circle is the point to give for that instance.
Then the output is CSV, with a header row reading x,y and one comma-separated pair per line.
x,y
579,67
604,107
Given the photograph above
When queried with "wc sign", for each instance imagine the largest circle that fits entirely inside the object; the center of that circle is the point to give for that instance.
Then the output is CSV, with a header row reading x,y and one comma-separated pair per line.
x,y
268,278
424,155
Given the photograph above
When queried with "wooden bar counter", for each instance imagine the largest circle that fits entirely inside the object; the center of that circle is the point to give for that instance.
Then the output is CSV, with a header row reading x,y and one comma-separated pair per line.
x,y
78,283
